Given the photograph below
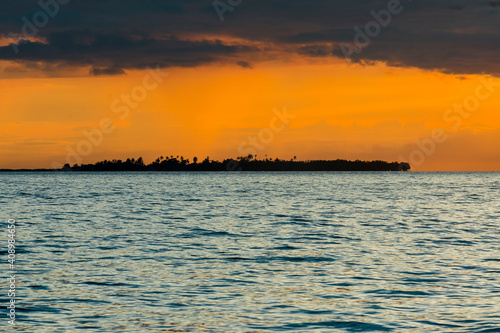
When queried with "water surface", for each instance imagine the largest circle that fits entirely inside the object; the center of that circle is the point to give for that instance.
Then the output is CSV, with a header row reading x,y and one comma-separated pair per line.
x,y
255,252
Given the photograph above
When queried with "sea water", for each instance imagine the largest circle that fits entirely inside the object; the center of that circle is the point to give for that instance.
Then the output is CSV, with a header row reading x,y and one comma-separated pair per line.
x,y
253,252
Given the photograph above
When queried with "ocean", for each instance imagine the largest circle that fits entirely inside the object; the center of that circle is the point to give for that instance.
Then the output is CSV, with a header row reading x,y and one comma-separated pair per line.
x,y
253,252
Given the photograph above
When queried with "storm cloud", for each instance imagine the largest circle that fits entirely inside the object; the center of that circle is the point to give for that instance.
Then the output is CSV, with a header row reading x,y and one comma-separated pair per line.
x,y
111,36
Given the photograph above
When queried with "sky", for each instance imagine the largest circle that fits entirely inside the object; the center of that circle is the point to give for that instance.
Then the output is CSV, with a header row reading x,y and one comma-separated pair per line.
x,y
409,81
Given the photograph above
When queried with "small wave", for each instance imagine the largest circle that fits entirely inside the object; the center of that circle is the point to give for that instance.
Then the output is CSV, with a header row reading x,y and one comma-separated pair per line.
x,y
402,293
352,326
206,232
298,259
286,247
114,284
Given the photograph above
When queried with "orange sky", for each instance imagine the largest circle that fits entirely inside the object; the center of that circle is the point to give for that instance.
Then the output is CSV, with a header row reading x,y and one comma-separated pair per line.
x,y
340,111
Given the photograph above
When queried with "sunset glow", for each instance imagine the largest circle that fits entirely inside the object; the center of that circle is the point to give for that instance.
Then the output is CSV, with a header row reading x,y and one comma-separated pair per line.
x,y
343,109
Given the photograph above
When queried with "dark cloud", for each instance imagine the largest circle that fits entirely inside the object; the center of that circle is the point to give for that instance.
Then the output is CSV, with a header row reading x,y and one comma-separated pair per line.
x,y
316,50
453,36
244,64
121,50
107,71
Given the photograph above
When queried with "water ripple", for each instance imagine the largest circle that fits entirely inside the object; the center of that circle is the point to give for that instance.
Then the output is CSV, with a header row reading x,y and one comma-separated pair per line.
x,y
255,252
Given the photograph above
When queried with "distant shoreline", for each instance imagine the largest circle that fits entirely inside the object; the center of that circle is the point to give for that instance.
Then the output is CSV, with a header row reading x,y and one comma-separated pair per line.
x,y
197,171
245,164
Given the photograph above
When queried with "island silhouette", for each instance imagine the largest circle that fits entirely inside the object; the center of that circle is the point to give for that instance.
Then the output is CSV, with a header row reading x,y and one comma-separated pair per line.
x,y
243,163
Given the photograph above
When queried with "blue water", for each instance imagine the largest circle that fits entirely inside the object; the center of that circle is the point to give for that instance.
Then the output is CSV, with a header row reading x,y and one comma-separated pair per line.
x,y
254,252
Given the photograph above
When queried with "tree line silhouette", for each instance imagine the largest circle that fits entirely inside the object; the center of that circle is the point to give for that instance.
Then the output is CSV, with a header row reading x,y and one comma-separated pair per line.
x,y
243,163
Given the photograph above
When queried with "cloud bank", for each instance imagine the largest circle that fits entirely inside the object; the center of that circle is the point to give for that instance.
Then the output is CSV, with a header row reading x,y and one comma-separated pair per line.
x,y
109,37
